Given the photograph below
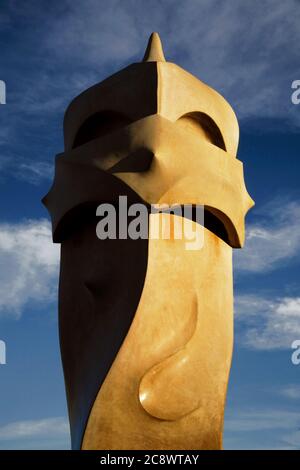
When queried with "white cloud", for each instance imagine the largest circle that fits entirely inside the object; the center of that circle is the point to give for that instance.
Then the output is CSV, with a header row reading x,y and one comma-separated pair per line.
x,y
253,420
270,321
26,429
266,324
262,429
273,242
33,172
291,391
30,265
247,51
25,169
48,433
292,440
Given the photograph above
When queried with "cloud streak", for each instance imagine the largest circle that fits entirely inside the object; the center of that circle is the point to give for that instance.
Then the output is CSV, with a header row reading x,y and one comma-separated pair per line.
x,y
252,420
267,324
247,51
262,429
291,391
273,242
48,433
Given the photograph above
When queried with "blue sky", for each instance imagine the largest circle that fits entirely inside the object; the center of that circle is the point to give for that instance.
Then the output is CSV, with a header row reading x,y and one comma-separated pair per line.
x,y
248,51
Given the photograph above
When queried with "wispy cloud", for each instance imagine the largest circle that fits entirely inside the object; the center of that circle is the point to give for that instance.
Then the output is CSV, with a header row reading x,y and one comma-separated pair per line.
x,y
272,242
247,51
291,391
292,440
30,262
48,433
34,171
252,420
262,429
267,324
269,321
25,169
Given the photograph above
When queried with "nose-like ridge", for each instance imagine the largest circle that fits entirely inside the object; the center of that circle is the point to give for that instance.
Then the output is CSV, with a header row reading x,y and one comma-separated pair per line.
x,y
136,162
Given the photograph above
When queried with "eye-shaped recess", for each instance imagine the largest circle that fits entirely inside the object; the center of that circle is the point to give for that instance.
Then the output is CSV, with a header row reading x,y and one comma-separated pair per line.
x,y
100,124
215,221
203,126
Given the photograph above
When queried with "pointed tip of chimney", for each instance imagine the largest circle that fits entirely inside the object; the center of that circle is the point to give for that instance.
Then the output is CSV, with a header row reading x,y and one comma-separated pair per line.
x,y
154,51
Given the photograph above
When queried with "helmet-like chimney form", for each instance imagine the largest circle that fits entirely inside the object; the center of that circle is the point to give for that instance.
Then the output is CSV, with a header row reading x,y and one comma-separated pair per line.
x,y
146,324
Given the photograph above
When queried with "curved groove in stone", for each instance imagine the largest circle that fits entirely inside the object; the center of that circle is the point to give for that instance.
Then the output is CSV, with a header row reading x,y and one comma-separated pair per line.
x,y
165,390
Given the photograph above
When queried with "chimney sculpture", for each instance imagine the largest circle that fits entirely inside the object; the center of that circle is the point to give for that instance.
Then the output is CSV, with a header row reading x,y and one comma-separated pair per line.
x,y
146,325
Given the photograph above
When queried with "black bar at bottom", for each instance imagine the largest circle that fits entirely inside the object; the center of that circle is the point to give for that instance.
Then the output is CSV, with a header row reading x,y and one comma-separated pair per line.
x,y
133,459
